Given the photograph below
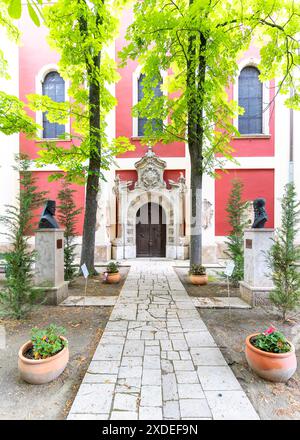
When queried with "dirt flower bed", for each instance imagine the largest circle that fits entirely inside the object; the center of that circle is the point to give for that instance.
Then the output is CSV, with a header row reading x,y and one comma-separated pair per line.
x,y
20,400
216,286
96,286
271,400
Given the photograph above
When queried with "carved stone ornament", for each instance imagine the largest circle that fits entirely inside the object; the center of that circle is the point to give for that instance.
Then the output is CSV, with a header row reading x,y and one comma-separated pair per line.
x,y
207,213
150,177
116,187
180,184
150,170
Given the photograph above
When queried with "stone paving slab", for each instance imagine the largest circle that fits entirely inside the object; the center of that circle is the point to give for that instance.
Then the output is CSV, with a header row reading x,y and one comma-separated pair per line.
x,y
157,360
220,303
76,301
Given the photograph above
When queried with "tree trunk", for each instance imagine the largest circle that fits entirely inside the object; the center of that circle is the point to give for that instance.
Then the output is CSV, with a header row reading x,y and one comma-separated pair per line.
x,y
92,186
196,211
196,65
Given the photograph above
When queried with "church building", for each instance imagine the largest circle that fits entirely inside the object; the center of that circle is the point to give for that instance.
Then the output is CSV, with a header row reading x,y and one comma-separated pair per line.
x,y
152,182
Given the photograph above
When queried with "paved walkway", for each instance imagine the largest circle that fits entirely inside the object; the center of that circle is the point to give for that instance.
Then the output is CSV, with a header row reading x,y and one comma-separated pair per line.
x,y
156,358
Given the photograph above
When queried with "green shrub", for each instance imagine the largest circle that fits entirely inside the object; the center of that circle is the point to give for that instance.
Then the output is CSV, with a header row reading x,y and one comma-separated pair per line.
x,y
236,210
197,269
47,342
283,255
67,218
19,294
112,267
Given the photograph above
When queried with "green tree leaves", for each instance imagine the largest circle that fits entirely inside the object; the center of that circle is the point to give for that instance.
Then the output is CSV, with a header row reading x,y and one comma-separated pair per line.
x,y
15,9
33,14
34,9
77,34
13,117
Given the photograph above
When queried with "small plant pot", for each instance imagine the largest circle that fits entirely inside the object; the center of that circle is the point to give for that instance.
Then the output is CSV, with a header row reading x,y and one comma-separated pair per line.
x,y
113,278
200,280
42,371
275,367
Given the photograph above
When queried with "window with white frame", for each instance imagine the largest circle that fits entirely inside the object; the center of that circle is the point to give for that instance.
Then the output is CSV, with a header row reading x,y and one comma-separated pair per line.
x,y
156,124
250,97
54,87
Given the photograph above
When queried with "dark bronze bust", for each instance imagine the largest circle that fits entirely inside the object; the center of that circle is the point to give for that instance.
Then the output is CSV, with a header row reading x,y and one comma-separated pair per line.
x,y
260,215
47,220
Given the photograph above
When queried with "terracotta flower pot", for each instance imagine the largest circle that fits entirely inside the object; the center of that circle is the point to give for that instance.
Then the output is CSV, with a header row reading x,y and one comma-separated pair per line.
x,y
275,367
200,280
113,278
42,371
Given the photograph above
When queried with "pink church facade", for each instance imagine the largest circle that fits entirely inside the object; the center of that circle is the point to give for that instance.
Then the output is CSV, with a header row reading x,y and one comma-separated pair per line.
x,y
265,162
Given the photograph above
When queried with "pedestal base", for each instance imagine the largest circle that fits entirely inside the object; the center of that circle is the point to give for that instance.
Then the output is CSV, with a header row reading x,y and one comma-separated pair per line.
x,y
120,252
55,295
103,252
255,296
182,252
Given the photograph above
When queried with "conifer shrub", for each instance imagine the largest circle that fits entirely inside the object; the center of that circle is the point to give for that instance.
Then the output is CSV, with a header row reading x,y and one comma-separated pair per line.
x,y
68,217
236,209
283,255
19,294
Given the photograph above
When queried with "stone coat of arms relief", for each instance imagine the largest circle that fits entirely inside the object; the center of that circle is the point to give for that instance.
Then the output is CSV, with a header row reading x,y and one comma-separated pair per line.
x,y
150,170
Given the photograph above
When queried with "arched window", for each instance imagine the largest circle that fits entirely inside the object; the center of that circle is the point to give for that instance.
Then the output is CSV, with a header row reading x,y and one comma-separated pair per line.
x,y
54,87
250,98
142,121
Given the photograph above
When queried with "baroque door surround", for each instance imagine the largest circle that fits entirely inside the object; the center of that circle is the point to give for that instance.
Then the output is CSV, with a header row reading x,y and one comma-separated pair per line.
x,y
150,188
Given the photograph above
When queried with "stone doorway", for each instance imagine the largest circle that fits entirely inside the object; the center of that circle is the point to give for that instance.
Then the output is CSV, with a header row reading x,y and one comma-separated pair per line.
x,y
163,239
151,231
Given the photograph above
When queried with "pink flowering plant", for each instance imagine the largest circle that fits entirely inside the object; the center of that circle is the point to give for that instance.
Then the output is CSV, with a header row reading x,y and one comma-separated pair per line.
x,y
272,341
112,267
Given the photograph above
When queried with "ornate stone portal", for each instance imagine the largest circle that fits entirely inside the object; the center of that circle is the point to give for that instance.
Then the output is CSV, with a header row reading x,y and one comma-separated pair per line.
x,y
150,188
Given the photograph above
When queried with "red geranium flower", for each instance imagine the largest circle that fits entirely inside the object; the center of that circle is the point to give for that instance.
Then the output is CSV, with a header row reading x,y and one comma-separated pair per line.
x,y
270,330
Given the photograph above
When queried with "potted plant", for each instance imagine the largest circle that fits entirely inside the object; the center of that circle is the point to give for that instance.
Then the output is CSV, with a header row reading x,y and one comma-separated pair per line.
x,y
112,274
45,356
198,275
271,355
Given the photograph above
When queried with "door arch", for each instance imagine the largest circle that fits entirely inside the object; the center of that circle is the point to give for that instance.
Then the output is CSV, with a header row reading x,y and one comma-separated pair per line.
x,y
151,231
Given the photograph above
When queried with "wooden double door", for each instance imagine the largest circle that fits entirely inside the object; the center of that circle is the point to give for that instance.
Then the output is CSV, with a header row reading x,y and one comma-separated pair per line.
x,y
151,231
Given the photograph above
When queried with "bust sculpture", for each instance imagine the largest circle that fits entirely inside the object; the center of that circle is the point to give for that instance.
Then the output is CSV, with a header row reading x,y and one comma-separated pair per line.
x,y
47,219
260,215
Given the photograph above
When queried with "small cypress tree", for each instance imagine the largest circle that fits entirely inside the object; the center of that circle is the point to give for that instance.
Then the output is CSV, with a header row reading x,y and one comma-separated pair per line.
x,y
67,217
236,209
19,293
284,254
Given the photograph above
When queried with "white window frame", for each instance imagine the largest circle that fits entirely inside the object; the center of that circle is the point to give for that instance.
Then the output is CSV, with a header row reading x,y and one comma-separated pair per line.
x,y
135,83
254,62
39,80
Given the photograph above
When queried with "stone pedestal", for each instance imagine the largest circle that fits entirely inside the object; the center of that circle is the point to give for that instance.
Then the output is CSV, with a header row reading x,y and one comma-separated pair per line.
x,y
182,248
257,284
117,249
49,267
